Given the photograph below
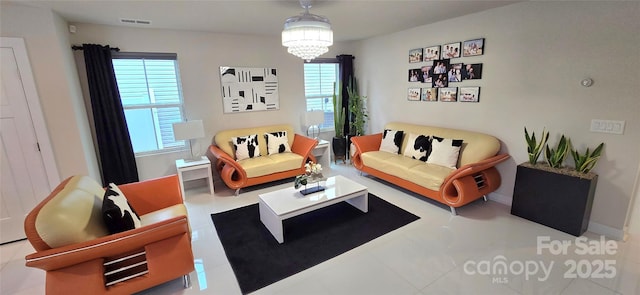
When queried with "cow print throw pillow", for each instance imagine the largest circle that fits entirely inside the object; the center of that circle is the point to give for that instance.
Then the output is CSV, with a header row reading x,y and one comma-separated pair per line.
x,y
117,214
391,141
246,147
277,142
445,152
418,147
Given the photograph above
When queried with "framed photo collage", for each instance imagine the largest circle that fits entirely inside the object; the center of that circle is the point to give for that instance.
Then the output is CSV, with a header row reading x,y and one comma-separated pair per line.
x,y
438,74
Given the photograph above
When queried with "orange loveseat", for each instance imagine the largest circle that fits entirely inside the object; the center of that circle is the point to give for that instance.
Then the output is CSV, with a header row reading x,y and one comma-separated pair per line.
x,y
79,255
237,174
454,187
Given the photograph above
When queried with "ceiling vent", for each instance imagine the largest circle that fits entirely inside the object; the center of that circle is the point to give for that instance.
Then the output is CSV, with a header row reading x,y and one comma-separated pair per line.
x,y
130,21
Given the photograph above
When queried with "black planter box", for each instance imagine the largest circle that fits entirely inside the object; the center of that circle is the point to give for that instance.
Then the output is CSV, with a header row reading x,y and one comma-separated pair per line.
x,y
553,199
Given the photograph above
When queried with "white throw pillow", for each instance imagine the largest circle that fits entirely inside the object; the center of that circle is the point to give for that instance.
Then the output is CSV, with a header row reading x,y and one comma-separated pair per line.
x,y
418,147
246,147
445,152
118,215
391,141
277,142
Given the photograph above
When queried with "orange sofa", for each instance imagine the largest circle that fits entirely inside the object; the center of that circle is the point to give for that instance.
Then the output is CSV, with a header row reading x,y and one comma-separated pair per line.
x,y
475,177
79,255
238,174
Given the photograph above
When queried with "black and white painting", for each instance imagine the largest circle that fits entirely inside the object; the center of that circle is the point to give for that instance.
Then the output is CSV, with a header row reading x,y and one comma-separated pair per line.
x,y
249,89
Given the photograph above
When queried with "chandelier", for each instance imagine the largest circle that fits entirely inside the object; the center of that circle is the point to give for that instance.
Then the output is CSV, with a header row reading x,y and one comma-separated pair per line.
x,y
307,35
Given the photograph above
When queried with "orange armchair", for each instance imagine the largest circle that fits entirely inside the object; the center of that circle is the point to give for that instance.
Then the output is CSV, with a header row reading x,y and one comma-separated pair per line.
x,y
79,255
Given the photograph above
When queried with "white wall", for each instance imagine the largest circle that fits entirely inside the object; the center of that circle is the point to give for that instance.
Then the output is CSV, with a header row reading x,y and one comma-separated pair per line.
x,y
200,55
45,36
536,53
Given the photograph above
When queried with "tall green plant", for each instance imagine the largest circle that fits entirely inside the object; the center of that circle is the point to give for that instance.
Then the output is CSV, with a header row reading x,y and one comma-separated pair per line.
x,y
584,163
356,108
534,148
556,156
339,112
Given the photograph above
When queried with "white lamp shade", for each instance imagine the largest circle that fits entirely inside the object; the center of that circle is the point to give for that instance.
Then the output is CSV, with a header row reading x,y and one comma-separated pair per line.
x,y
188,130
314,118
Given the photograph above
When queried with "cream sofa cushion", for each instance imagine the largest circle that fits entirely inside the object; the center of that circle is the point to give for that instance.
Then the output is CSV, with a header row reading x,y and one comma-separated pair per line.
x,y
223,138
426,175
73,215
476,146
271,164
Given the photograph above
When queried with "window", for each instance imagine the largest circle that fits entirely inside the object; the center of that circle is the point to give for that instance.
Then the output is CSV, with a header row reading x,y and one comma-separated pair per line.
x,y
319,79
151,96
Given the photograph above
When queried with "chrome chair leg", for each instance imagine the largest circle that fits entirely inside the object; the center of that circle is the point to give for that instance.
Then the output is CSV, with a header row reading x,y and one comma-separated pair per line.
x,y
485,198
237,192
453,211
186,281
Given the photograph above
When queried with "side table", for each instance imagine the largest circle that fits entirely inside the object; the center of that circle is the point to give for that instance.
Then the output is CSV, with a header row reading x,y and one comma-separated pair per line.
x,y
322,152
192,170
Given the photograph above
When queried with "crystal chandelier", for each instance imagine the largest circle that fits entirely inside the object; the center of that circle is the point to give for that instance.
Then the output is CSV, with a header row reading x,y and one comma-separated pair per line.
x,y
307,35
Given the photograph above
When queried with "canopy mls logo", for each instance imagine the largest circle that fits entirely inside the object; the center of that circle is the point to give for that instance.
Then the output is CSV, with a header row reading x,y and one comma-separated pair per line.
x,y
501,268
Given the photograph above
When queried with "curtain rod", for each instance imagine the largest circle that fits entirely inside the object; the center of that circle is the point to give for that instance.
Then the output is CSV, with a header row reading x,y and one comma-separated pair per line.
x,y
76,47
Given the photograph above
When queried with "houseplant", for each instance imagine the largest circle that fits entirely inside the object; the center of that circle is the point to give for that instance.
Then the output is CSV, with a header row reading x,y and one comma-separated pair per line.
x,y
339,141
552,194
357,111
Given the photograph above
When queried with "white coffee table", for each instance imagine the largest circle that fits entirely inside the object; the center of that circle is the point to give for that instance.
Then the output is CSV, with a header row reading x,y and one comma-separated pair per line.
x,y
289,202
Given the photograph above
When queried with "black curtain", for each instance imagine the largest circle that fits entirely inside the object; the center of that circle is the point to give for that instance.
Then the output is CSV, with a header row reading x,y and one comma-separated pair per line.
x,y
117,159
346,72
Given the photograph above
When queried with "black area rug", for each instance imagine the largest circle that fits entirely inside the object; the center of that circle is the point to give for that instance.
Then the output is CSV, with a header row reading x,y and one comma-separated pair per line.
x,y
258,260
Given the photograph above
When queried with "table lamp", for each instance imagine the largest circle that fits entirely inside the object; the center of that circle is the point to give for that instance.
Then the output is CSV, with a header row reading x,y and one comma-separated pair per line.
x,y
312,120
189,130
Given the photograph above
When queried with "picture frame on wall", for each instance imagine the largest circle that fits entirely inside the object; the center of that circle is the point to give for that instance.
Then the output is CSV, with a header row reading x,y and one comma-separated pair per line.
x,y
426,72
413,94
448,94
469,94
473,47
431,53
454,73
472,72
429,94
450,50
415,55
439,80
415,75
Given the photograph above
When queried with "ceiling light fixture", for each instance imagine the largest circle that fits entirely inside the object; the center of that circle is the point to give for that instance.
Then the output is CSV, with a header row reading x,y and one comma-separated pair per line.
x,y
307,35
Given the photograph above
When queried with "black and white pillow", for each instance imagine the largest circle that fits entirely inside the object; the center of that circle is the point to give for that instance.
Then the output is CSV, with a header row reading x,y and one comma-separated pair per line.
x,y
391,141
246,147
117,214
445,152
418,147
277,142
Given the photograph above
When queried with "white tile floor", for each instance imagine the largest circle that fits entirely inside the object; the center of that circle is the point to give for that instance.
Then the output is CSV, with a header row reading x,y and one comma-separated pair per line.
x,y
438,254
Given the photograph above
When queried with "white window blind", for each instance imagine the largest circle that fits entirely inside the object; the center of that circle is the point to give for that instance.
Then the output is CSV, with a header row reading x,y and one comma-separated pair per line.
x,y
319,79
151,95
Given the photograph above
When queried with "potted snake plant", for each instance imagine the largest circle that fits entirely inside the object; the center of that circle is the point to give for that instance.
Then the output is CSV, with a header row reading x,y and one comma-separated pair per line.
x,y
551,193
339,142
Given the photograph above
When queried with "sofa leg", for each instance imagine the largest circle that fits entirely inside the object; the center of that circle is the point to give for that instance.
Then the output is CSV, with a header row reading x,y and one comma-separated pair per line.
x,y
485,198
237,192
453,211
186,281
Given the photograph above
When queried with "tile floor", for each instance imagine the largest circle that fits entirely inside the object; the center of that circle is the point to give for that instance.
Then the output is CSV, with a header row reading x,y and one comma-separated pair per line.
x,y
438,254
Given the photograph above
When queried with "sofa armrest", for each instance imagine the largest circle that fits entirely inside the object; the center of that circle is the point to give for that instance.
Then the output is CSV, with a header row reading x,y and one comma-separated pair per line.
x,y
303,146
363,144
229,169
153,194
450,188
108,246
367,143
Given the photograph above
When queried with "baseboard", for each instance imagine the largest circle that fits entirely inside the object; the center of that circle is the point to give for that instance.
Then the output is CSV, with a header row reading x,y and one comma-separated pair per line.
x,y
500,198
610,232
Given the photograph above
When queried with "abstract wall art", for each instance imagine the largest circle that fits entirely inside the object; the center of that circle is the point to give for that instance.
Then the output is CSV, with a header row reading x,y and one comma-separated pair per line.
x,y
249,89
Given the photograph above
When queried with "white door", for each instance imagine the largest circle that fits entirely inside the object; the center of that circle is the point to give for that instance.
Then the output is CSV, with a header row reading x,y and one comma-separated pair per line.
x,y
23,178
